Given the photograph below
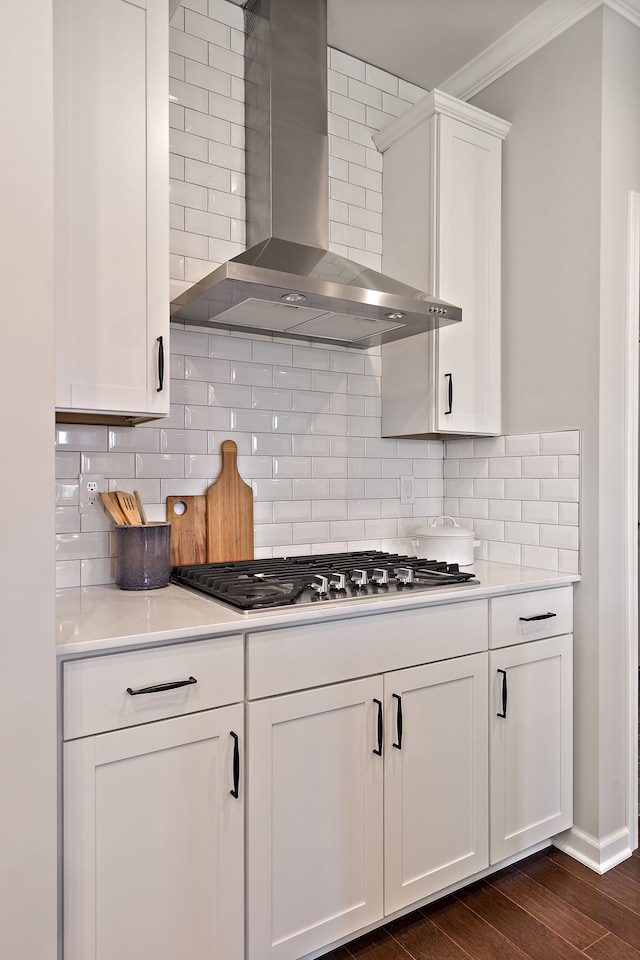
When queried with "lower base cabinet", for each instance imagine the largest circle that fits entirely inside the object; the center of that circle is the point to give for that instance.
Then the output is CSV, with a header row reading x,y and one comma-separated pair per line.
x,y
531,746
339,774
314,805
153,841
436,780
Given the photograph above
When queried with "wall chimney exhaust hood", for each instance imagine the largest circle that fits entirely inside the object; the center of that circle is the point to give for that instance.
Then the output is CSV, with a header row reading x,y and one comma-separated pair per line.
x,y
288,282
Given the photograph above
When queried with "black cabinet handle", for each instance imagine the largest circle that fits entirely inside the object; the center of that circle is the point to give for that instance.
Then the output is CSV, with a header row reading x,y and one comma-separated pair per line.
x,y
398,745
378,752
504,694
236,765
540,616
160,364
450,393
159,687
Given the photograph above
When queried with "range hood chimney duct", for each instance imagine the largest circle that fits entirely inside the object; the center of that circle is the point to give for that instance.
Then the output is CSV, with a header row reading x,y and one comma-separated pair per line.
x,y
287,282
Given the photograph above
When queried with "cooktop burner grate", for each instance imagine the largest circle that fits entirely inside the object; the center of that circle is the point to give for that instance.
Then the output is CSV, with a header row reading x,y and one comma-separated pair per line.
x,y
257,584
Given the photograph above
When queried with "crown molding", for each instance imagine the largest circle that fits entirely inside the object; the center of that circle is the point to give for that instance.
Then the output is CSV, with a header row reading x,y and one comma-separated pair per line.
x,y
437,102
532,33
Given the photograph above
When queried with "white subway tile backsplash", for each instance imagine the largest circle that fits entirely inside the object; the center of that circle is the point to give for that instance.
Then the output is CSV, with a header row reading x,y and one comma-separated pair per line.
x,y
291,378
559,536
471,507
67,465
522,532
567,490
162,465
310,446
569,466
568,514
492,489
271,444
568,561
522,489
312,532
293,467
489,447
563,442
313,489
305,401
505,467
76,436
539,511
489,529
108,464
67,573
543,557
474,468
505,510
539,467
462,487
67,519
293,511
501,552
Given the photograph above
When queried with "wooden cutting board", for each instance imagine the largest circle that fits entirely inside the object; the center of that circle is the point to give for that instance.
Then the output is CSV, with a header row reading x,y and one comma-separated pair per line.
x,y
188,530
229,512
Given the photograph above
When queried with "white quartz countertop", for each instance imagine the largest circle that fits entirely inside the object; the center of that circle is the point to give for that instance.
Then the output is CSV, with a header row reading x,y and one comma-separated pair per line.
x,y
101,618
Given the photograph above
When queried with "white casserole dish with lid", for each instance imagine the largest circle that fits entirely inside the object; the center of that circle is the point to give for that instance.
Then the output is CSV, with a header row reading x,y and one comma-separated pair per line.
x,y
445,540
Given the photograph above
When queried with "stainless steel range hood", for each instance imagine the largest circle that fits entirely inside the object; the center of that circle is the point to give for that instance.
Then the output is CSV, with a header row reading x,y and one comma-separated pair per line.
x,y
287,282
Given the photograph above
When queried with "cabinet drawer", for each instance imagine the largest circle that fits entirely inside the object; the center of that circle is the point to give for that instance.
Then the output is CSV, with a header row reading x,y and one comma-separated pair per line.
x,y
530,616
95,690
279,661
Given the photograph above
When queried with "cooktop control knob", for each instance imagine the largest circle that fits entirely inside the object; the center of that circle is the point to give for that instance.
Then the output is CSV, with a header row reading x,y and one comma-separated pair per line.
x,y
360,578
405,575
321,584
380,576
338,582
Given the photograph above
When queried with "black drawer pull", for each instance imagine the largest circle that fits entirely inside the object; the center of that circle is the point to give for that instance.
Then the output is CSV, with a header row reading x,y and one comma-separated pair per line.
x,y
378,752
449,393
504,694
159,687
540,616
398,745
160,341
236,765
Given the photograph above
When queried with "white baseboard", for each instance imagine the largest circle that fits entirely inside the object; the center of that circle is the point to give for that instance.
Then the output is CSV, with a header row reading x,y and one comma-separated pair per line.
x,y
598,855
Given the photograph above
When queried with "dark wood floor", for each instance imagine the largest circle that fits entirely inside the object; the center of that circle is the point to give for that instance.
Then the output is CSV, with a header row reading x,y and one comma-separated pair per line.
x,y
547,907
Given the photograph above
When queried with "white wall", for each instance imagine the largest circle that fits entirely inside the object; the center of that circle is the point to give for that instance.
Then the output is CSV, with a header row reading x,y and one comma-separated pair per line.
x,y
27,634
569,161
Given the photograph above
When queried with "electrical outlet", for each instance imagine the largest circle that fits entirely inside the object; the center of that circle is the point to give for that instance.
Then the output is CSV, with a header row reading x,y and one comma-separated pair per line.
x,y
406,490
90,485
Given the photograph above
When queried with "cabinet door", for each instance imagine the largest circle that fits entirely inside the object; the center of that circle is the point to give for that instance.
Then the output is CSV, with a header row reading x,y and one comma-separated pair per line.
x,y
153,842
467,273
314,839
531,748
111,204
436,785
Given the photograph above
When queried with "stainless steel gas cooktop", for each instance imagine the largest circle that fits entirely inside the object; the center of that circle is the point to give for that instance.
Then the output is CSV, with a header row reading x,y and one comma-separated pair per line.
x,y
258,584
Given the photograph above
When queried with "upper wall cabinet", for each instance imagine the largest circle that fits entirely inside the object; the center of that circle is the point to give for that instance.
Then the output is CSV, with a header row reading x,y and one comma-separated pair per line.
x,y
111,209
441,231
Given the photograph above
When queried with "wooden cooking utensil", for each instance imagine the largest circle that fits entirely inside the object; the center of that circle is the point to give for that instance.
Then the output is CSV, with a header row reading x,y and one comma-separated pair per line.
x,y
188,530
229,512
140,506
112,508
128,506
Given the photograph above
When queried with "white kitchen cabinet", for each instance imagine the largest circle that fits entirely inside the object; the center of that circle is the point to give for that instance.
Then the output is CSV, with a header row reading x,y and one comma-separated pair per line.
x,y
314,834
111,209
531,743
442,233
153,813
436,778
347,823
